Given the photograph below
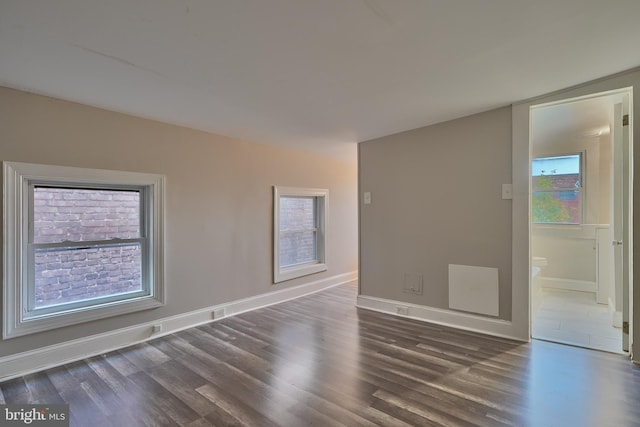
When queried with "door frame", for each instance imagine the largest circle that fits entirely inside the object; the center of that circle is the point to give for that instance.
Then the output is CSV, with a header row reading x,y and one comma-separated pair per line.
x,y
521,168
624,151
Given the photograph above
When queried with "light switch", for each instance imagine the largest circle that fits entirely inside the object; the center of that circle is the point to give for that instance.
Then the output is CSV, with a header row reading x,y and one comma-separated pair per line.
x,y
507,191
367,197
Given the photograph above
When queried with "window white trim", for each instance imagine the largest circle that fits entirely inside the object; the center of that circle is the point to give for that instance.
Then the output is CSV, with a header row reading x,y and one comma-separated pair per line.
x,y
17,179
281,274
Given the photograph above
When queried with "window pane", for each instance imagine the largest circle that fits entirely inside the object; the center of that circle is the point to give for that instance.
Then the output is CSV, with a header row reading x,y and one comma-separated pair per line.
x,y
299,237
297,247
297,213
554,173
78,215
556,183
72,275
559,207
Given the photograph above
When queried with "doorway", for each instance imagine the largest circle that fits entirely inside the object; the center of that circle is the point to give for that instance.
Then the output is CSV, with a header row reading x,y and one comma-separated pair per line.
x,y
579,228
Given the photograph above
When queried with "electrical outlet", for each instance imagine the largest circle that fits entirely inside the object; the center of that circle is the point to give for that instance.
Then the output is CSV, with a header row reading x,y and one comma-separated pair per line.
x,y
218,313
404,311
156,329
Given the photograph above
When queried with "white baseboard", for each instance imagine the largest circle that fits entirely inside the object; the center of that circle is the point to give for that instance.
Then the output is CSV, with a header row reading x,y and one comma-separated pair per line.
x,y
454,319
566,284
27,362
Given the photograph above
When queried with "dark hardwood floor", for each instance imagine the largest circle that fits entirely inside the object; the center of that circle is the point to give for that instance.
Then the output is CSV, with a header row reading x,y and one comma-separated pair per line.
x,y
320,361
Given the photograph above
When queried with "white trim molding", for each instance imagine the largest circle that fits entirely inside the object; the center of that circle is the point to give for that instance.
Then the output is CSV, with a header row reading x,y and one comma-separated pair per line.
x,y
321,203
521,169
20,316
27,362
469,322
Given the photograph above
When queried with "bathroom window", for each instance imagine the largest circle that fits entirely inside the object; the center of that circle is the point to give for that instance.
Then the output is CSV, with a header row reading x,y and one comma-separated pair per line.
x,y
557,184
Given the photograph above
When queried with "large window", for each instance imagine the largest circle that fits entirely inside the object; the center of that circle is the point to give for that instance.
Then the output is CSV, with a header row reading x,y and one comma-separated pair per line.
x,y
80,244
300,217
557,189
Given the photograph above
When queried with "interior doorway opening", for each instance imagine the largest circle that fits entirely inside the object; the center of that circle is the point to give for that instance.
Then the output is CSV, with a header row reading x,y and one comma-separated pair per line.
x,y
580,223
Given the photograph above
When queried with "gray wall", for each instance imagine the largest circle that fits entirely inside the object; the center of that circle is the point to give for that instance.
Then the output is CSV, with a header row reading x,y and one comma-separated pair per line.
x,y
218,199
436,200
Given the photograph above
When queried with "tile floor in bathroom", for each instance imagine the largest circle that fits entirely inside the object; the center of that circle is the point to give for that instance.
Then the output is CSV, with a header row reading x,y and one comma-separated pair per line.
x,y
575,318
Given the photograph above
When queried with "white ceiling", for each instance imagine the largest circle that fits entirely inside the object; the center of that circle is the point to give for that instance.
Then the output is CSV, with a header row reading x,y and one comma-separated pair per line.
x,y
314,74
574,120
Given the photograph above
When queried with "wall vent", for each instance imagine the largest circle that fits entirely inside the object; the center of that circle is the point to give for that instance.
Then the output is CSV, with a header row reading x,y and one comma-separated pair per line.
x,y
474,289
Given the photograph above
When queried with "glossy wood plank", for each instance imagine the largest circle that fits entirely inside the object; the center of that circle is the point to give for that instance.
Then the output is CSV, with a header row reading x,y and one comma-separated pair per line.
x,y
320,361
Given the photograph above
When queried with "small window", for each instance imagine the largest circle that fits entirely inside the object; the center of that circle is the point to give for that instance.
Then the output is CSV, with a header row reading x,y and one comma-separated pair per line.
x,y
82,244
557,190
300,217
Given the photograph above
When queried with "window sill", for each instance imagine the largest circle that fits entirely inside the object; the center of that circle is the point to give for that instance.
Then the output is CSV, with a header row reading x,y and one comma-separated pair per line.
x,y
73,317
294,272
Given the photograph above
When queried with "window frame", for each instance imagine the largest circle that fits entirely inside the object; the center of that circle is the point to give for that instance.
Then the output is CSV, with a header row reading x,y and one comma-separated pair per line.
x,y
581,190
19,315
281,274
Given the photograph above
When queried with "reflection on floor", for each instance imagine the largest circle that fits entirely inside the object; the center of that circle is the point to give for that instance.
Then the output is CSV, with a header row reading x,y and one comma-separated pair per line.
x,y
575,318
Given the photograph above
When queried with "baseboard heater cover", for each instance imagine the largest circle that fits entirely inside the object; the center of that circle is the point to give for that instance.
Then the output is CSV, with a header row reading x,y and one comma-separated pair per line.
x,y
474,289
